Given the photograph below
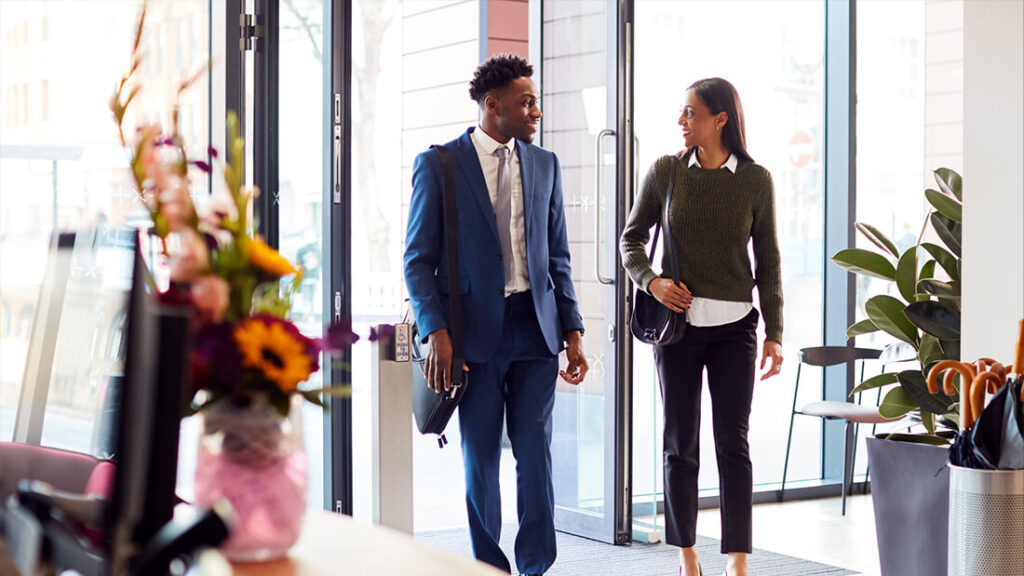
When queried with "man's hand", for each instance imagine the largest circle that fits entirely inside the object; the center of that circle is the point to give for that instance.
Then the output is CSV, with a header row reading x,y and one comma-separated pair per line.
x,y
675,296
773,350
438,365
577,368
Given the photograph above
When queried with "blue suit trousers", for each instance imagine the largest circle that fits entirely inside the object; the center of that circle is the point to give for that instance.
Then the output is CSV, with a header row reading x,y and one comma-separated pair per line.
x,y
518,382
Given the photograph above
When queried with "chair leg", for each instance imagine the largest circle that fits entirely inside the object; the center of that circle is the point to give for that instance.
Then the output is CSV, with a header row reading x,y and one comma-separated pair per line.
x,y
846,466
853,457
789,437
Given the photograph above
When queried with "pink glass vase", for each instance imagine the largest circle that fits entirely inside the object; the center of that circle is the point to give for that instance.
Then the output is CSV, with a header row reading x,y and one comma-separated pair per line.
x,y
255,459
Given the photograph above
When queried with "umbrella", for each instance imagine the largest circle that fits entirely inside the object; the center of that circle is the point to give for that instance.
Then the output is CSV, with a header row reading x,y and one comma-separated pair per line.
x,y
991,437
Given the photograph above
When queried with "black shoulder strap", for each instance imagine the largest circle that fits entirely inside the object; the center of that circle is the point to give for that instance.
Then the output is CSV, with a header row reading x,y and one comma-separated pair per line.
x,y
451,234
669,245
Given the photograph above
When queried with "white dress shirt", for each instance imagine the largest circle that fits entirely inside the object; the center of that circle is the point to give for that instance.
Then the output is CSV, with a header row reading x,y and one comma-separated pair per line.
x,y
485,148
707,311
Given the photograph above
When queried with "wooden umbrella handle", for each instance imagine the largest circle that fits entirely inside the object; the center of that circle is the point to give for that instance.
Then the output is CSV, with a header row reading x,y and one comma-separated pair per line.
x,y
965,370
977,398
1018,360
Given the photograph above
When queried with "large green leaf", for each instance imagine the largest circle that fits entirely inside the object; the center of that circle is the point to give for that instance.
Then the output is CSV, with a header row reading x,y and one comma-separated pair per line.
x,y
906,274
928,270
944,258
928,419
948,231
950,183
878,381
936,318
930,350
913,383
887,313
947,206
866,262
951,348
896,403
938,288
878,238
861,328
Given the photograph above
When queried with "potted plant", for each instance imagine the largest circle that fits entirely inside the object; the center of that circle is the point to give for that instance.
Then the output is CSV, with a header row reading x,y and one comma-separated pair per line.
x,y
910,484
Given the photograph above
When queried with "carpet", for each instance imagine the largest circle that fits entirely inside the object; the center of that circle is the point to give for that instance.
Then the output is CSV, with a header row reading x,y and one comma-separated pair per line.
x,y
580,556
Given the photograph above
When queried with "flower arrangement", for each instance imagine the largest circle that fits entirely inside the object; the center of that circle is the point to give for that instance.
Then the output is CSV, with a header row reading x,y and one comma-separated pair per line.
x,y
239,287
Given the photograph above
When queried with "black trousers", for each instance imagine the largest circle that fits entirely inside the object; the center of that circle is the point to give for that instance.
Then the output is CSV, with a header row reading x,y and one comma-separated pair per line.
x,y
729,353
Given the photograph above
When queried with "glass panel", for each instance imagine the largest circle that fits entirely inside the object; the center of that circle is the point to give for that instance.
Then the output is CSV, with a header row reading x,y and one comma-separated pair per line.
x,y
909,123
62,166
579,93
409,87
300,158
781,85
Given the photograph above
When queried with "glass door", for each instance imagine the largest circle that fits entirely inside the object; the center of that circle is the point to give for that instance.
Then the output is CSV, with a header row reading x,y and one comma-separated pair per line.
x,y
581,85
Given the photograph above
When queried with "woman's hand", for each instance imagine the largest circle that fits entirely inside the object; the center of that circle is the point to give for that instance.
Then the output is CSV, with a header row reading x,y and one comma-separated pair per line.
x,y
674,296
773,350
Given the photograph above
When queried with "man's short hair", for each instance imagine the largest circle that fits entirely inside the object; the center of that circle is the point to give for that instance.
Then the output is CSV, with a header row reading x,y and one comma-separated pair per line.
x,y
497,72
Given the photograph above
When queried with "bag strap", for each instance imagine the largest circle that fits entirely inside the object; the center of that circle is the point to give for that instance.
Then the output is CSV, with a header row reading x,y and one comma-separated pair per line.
x,y
669,245
451,233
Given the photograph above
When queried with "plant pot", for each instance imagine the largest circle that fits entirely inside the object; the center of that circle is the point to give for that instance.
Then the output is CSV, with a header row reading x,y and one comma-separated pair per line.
x,y
254,458
910,493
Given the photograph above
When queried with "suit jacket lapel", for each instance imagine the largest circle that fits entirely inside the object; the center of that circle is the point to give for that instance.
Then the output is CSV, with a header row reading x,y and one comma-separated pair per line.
x,y
469,166
526,173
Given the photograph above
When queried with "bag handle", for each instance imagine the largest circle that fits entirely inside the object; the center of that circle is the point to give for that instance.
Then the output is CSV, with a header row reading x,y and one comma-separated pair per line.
x,y
669,245
451,233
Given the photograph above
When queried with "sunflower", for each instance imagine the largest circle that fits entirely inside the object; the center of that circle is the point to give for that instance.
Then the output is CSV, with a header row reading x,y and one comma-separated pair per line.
x,y
269,260
270,348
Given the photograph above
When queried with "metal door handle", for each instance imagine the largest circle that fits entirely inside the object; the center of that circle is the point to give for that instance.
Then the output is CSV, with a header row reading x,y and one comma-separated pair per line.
x,y
599,169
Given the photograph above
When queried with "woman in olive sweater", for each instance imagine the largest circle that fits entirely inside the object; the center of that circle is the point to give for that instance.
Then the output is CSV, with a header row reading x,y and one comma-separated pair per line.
x,y
721,201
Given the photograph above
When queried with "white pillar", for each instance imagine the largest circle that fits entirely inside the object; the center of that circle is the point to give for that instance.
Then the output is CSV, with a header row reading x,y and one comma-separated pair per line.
x,y
993,232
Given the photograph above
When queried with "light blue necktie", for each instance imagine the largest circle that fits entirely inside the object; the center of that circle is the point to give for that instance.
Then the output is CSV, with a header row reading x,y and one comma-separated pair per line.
x,y
503,207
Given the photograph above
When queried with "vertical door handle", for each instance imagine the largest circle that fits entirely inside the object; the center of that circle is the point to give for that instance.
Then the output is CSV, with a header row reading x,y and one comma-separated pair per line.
x,y
599,176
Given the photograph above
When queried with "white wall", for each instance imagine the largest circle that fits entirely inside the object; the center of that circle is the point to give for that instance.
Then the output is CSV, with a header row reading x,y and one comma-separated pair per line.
x,y
993,233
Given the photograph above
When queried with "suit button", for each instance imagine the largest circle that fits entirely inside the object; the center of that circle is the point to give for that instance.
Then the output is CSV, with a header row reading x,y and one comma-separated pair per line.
x,y
497,257
499,292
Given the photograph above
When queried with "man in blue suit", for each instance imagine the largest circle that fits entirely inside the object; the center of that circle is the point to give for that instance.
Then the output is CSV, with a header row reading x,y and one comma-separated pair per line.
x,y
519,306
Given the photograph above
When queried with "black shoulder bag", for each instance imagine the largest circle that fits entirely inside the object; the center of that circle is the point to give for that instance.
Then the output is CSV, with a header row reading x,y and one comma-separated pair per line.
x,y
433,410
652,322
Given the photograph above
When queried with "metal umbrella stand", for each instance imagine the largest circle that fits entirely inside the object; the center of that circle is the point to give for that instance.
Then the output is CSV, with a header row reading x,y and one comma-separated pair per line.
x,y
986,504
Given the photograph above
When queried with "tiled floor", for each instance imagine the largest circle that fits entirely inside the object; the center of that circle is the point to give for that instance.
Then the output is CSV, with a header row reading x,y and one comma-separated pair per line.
x,y
812,529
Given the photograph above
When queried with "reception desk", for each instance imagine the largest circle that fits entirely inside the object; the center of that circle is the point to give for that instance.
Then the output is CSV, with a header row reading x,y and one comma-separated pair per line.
x,y
336,545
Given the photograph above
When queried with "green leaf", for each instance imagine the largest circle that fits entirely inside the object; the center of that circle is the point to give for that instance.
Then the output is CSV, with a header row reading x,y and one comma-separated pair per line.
x,y
930,351
944,258
913,383
897,403
936,318
950,183
948,231
928,270
887,313
878,238
914,438
882,379
938,288
928,419
948,207
861,328
951,348
906,274
865,262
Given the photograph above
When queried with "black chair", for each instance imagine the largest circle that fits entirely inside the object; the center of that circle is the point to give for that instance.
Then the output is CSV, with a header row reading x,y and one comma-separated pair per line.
x,y
851,412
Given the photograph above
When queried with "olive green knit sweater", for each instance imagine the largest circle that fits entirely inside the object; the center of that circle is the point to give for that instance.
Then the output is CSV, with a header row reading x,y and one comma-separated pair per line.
x,y
714,215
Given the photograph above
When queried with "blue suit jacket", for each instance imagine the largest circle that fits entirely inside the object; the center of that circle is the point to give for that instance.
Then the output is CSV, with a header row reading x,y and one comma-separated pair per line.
x,y
481,271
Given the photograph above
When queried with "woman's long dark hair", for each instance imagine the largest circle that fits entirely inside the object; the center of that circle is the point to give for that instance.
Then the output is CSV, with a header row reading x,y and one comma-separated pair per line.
x,y
720,96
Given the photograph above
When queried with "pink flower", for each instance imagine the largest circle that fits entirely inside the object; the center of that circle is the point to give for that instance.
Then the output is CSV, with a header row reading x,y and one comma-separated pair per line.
x,y
189,255
175,203
210,296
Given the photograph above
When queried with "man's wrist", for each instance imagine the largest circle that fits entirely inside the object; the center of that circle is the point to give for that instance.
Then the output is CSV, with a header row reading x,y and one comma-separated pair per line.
x,y
574,337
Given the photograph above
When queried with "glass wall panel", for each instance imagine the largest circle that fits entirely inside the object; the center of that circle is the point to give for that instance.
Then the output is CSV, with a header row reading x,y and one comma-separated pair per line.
x,y
410,90
778,70
62,167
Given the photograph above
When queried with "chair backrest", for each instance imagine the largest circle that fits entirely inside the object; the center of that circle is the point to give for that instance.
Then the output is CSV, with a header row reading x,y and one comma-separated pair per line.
x,y
832,355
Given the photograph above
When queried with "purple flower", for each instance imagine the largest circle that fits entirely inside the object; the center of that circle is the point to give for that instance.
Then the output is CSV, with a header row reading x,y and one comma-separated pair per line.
x,y
217,357
203,166
340,335
212,152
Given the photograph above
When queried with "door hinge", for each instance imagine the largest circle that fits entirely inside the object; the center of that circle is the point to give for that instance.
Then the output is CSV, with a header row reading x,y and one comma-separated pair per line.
x,y
250,32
